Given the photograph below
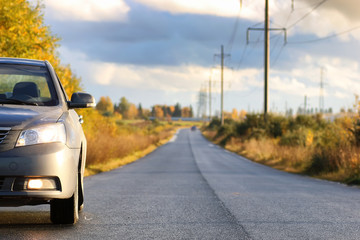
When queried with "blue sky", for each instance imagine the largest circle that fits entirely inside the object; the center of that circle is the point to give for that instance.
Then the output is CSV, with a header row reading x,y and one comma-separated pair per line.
x,y
162,51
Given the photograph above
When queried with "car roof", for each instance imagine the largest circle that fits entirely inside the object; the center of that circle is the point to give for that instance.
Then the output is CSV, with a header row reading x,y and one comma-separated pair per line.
x,y
22,61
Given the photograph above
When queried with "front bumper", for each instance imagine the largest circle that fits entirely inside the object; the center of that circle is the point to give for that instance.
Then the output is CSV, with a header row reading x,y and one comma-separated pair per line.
x,y
52,160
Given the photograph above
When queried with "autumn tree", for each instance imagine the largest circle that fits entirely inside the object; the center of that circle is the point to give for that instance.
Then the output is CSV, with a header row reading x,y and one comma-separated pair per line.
x,y
105,106
132,112
146,113
185,112
171,110
157,112
123,106
234,114
24,35
191,111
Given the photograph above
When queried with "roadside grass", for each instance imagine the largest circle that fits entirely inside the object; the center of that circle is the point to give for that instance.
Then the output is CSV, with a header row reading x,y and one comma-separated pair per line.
x,y
306,145
268,152
112,142
114,163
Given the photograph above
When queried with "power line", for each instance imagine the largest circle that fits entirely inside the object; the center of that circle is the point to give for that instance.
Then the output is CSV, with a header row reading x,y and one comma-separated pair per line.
x,y
327,37
307,14
251,50
275,44
277,56
232,38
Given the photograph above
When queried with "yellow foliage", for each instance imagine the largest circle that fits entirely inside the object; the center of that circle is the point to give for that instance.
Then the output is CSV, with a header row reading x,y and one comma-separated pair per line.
x,y
309,138
159,113
132,112
234,114
24,35
105,105
172,109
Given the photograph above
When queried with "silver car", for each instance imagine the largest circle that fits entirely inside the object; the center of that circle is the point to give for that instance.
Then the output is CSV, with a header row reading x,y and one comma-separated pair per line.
x,y
42,144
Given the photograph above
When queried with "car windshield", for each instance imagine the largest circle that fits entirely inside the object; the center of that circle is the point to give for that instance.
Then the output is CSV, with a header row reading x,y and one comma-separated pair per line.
x,y
28,85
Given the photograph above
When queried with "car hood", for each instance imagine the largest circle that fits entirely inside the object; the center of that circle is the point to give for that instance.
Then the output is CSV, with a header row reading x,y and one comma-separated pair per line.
x,y
21,117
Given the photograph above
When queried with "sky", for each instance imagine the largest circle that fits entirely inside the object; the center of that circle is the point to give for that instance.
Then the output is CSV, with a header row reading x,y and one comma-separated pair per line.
x,y
164,51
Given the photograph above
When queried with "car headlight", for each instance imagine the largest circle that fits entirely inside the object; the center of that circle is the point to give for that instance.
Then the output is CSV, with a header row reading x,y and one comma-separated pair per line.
x,y
43,134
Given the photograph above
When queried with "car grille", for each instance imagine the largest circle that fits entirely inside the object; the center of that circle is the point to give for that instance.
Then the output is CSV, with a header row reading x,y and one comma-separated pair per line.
x,y
8,138
3,134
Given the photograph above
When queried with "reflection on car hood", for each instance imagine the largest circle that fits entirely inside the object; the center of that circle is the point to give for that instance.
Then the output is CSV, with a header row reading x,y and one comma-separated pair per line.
x,y
20,117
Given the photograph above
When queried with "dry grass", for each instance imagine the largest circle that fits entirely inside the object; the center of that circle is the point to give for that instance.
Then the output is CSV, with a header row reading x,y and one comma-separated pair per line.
x,y
108,151
113,163
106,147
268,152
112,143
340,164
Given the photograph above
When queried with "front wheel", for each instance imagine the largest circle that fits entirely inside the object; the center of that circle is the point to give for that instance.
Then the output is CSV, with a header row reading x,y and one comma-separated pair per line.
x,y
65,211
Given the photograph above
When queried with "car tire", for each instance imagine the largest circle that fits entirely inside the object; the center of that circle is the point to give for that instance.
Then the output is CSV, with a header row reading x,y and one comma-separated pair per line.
x,y
65,211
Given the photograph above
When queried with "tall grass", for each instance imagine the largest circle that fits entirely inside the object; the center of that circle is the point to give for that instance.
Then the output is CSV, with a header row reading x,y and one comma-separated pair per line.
x,y
305,144
109,138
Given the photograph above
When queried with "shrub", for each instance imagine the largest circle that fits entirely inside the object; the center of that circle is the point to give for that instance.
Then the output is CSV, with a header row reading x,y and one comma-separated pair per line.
x,y
227,131
296,137
322,161
254,120
277,126
214,124
242,129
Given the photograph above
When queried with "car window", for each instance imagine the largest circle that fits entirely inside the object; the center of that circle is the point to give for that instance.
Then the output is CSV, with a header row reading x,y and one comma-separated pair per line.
x,y
27,84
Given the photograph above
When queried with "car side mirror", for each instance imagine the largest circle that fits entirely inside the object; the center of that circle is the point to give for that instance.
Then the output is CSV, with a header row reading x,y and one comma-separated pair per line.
x,y
81,100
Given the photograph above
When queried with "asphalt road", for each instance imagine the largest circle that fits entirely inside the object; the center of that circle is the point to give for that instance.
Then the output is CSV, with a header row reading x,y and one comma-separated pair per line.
x,y
192,189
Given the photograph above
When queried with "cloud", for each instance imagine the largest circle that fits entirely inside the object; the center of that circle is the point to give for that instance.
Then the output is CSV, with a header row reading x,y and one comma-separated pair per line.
x,y
185,77
341,95
330,17
166,78
224,8
87,10
340,77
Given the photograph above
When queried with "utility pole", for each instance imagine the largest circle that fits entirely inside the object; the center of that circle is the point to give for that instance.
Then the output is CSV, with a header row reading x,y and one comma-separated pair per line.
x,y
222,85
222,56
321,98
266,60
210,98
267,30
305,104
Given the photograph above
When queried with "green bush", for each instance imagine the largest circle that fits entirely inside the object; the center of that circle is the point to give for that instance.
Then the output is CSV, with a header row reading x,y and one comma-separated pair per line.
x,y
295,138
323,161
226,129
214,124
255,120
242,129
277,126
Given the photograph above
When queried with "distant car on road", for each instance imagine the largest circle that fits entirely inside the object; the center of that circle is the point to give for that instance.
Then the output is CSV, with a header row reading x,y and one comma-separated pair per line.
x,y
42,144
193,128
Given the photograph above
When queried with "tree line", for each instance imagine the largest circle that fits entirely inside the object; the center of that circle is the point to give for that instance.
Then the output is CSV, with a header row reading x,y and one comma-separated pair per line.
x,y
127,110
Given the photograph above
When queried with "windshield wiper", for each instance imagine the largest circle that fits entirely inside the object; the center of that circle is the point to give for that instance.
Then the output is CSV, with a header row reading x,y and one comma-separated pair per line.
x,y
17,101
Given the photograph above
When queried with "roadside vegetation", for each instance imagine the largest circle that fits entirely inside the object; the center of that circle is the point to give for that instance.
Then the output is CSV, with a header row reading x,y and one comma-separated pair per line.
x,y
113,142
120,133
305,144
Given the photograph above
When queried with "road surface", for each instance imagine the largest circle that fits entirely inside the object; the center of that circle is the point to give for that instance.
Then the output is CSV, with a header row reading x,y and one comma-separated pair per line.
x,y
192,189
